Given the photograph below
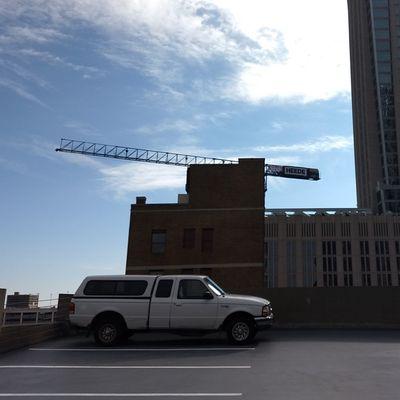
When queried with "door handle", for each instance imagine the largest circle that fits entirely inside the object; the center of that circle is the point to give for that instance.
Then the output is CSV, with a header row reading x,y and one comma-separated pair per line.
x,y
178,305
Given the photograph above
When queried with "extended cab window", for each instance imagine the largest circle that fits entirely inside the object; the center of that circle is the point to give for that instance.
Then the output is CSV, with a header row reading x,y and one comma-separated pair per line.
x,y
115,288
164,288
191,289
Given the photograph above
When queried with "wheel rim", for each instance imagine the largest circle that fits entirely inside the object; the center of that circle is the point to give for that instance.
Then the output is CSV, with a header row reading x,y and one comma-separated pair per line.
x,y
240,331
107,333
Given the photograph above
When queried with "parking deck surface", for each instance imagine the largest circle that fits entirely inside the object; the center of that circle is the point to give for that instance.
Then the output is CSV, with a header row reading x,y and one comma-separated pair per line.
x,y
279,365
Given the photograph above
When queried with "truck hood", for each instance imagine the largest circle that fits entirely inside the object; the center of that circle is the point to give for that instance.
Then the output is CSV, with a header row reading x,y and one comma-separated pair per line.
x,y
241,299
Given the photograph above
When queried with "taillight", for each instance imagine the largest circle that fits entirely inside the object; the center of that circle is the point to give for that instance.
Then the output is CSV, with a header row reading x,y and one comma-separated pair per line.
x,y
71,308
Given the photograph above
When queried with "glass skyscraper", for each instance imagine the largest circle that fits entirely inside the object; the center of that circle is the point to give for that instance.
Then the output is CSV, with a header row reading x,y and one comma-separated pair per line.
x,y
375,74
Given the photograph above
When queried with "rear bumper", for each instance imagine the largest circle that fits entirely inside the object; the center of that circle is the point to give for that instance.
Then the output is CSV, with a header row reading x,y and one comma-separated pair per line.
x,y
80,321
263,322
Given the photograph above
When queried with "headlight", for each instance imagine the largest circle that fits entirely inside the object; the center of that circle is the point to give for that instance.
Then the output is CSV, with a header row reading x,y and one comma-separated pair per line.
x,y
266,311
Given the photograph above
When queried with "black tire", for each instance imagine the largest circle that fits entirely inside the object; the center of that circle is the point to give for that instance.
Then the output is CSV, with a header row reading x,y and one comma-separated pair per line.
x,y
240,330
108,332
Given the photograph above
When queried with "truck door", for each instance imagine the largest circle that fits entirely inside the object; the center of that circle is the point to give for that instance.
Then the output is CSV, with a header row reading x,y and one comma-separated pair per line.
x,y
160,305
193,306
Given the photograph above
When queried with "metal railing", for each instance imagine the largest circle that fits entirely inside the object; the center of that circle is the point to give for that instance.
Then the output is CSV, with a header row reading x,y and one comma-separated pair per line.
x,y
28,316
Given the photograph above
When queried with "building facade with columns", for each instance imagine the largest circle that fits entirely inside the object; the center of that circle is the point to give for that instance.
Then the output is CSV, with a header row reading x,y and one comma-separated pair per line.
x,y
331,248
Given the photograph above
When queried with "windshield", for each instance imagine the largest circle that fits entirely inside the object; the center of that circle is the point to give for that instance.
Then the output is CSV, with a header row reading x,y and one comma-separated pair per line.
x,y
214,287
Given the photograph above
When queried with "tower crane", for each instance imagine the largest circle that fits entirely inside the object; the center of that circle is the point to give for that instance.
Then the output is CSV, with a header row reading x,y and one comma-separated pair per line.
x,y
169,158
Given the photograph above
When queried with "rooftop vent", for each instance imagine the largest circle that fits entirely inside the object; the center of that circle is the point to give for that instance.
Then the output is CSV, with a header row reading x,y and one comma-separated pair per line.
x,y
183,199
141,200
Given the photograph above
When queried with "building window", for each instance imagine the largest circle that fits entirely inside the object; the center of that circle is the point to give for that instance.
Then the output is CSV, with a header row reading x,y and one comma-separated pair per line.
x,y
291,230
380,229
398,259
291,263
189,238
329,263
271,264
308,229
328,229
363,229
271,230
383,263
309,264
207,239
158,241
345,229
347,263
396,228
365,263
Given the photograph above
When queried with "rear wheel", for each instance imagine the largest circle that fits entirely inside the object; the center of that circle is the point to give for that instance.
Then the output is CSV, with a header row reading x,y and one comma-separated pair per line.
x,y
240,330
108,332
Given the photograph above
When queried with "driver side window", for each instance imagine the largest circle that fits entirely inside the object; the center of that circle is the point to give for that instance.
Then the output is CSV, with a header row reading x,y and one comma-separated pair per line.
x,y
191,289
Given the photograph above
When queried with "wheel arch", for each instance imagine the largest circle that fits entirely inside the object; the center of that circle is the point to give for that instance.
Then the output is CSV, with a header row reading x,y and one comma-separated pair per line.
x,y
236,315
107,315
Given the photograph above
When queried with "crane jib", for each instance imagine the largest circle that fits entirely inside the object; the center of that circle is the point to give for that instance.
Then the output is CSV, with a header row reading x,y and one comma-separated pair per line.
x,y
171,158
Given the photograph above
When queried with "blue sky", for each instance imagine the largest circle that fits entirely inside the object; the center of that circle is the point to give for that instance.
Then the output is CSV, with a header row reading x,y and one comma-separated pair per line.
x,y
219,78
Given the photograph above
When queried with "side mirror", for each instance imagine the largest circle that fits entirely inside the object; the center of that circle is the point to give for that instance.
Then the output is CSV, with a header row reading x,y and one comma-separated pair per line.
x,y
208,296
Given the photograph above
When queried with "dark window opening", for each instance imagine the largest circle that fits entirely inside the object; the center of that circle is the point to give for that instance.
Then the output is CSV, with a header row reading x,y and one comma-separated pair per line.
x,y
115,288
158,241
130,288
164,288
191,289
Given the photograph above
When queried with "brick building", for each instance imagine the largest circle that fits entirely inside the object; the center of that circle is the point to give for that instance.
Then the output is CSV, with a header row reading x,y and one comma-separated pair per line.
x,y
217,229
18,300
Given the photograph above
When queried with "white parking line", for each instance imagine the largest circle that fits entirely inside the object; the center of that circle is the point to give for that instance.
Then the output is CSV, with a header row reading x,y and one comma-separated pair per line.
x,y
120,394
144,349
125,366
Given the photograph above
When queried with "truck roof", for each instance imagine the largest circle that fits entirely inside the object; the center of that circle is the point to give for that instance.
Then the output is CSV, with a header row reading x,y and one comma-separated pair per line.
x,y
101,277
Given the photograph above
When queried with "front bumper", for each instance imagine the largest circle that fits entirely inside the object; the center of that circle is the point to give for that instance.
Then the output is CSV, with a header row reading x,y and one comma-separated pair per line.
x,y
263,322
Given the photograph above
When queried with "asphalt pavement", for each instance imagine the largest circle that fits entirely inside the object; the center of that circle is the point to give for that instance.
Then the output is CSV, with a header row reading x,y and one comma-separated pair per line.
x,y
280,364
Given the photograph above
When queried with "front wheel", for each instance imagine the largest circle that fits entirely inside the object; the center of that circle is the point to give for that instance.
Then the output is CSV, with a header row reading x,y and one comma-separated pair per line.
x,y
240,330
108,332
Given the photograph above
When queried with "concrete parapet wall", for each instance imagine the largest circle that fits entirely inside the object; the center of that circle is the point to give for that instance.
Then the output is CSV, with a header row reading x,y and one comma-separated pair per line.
x,y
352,307
2,303
14,337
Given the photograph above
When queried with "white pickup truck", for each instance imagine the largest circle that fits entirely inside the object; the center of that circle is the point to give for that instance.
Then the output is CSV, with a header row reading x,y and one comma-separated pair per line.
x,y
113,307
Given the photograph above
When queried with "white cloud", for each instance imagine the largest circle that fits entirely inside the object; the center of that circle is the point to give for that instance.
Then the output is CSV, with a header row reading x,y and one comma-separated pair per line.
x,y
22,91
140,178
179,125
31,34
82,128
320,145
13,166
183,128
51,59
271,50
315,36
